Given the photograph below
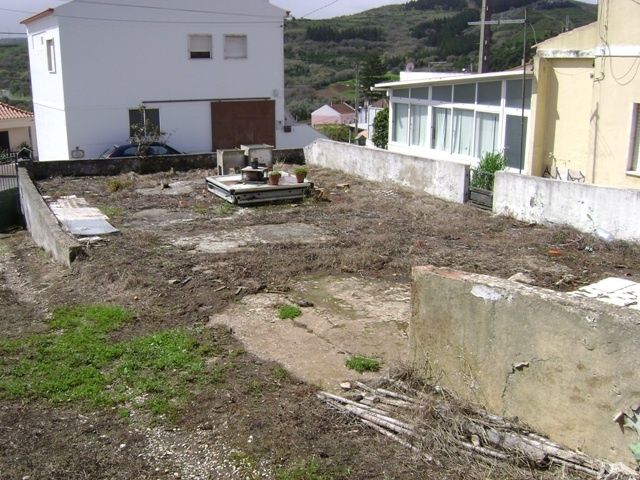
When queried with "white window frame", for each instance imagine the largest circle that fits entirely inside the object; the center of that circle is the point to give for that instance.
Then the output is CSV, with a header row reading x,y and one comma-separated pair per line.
x,y
197,54
242,56
634,141
51,55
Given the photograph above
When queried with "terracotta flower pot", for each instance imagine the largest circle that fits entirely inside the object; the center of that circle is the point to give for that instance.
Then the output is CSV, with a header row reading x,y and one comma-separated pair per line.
x,y
300,177
274,179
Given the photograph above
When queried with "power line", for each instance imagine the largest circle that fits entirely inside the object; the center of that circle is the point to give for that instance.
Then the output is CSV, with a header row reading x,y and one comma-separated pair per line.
x,y
172,22
151,7
320,8
12,33
15,11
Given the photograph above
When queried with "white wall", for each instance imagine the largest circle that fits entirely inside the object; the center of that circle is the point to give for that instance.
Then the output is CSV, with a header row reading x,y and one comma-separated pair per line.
x,y
446,180
610,213
141,55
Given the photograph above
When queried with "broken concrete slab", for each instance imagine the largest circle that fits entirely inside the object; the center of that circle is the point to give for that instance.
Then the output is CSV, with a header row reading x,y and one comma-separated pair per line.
x,y
350,316
160,217
182,187
615,291
81,219
229,240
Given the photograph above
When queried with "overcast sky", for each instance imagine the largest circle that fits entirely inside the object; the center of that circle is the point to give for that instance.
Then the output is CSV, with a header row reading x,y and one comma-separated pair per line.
x,y
9,20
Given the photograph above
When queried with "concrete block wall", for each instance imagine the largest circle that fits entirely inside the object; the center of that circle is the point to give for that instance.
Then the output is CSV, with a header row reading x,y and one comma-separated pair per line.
x,y
442,179
610,213
561,364
43,225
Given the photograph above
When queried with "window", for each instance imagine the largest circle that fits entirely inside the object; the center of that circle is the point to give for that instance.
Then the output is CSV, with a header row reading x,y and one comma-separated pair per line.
x,y
401,123
420,93
486,133
513,140
51,56
200,46
514,94
465,93
235,46
635,159
489,93
419,115
144,122
402,93
463,132
442,94
440,137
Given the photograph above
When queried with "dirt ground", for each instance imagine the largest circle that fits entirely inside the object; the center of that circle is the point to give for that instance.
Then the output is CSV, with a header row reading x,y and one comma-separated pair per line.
x,y
186,259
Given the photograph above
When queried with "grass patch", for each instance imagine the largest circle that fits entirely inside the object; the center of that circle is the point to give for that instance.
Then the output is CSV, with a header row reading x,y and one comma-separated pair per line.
x,y
116,184
76,362
287,312
309,470
279,373
363,364
225,208
200,209
111,212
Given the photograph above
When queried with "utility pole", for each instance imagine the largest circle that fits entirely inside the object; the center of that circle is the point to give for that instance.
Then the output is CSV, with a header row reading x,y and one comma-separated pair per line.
x,y
485,37
357,89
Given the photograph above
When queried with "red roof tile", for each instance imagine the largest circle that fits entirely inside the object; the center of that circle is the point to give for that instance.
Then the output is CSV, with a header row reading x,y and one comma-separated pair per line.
x,y
8,112
343,108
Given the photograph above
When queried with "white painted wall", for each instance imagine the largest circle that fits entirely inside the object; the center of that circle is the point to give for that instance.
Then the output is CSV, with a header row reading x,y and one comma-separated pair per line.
x,y
610,213
116,57
442,179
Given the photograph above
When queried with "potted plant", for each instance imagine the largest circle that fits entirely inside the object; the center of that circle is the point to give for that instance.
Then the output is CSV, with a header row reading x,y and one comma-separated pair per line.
x,y
274,177
301,173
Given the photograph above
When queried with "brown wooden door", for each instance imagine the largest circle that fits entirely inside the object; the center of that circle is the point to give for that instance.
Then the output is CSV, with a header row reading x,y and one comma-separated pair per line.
x,y
243,123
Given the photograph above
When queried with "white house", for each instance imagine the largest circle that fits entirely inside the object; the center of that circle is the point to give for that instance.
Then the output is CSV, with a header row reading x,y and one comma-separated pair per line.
x,y
338,114
460,116
209,73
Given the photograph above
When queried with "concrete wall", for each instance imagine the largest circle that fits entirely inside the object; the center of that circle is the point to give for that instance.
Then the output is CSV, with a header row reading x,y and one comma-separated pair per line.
x,y
446,180
43,225
563,365
604,211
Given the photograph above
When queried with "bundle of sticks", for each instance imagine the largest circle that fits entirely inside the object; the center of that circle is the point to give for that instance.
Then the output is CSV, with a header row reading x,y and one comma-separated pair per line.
x,y
401,414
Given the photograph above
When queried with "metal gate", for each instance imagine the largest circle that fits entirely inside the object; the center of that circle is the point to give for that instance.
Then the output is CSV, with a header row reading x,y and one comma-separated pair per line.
x,y
9,195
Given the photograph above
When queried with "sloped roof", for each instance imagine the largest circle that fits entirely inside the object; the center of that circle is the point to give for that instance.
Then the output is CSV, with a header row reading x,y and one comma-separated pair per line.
x,y
8,112
343,108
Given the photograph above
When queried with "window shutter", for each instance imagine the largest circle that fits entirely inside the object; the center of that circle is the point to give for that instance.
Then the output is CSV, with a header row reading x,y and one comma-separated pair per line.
x,y
235,46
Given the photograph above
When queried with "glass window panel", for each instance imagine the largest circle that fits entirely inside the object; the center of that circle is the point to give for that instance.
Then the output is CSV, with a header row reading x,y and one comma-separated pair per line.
x,y
401,123
513,141
440,129
200,46
420,93
401,93
635,161
489,93
465,93
514,94
235,46
419,115
463,132
486,133
442,93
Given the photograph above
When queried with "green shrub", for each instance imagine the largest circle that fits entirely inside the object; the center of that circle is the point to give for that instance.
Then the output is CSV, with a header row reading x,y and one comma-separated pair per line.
x,y
363,364
483,175
381,129
287,312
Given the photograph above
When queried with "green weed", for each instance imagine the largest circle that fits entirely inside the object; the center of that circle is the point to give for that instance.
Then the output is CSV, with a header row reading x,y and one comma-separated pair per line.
x,y
279,373
111,212
115,184
76,361
288,312
309,470
225,208
363,364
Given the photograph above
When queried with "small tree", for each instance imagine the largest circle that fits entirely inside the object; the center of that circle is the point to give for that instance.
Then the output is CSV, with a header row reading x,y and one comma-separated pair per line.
x,y
144,133
373,71
381,129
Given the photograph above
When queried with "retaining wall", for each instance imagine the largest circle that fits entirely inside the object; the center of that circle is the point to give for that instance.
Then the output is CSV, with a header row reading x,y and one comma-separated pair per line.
x,y
443,179
610,213
561,364
42,223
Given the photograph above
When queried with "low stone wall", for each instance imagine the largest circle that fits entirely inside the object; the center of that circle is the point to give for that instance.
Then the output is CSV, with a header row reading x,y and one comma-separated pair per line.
x,y
610,213
43,225
446,180
116,166
561,364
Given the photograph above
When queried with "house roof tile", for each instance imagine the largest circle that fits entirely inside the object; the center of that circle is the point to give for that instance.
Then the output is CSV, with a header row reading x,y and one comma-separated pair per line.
x,y
342,108
8,112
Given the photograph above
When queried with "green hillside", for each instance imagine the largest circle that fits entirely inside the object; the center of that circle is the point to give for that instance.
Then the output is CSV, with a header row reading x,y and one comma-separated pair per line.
x,y
321,54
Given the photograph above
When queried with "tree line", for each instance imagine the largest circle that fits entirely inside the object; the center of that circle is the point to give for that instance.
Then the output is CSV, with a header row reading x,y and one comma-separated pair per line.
x,y
328,33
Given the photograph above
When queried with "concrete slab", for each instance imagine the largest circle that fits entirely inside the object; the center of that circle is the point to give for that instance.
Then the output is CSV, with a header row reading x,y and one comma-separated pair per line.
x,y
230,240
614,291
160,217
349,316
183,187
81,219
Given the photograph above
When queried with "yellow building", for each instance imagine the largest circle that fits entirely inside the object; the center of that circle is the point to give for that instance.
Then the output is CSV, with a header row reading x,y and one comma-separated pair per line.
x,y
585,107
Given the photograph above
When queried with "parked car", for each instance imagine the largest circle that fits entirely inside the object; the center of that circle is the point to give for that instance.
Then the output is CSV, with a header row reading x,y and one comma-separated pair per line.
x,y
133,150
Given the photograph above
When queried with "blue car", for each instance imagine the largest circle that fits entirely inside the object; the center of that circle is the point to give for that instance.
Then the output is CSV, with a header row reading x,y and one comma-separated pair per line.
x,y
134,150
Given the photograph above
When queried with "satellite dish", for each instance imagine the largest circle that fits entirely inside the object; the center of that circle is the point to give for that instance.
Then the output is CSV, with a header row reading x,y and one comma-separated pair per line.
x,y
410,67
